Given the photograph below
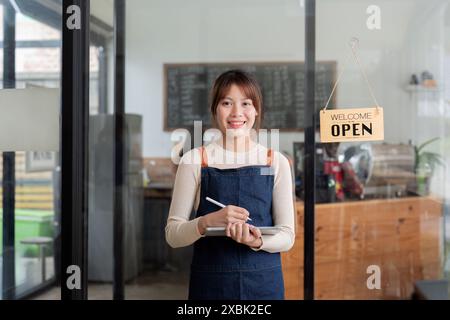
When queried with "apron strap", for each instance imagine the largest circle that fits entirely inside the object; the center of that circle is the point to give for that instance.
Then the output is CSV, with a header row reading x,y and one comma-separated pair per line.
x,y
204,157
269,157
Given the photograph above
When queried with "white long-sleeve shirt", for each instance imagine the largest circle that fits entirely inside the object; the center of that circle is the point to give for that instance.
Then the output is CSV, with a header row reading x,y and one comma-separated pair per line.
x,y
180,231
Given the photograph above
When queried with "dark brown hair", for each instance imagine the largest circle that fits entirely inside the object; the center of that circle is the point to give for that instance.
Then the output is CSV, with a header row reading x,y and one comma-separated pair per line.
x,y
246,83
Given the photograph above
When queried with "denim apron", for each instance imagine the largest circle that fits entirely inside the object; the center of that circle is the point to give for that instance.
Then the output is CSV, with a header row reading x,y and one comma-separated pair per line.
x,y
221,268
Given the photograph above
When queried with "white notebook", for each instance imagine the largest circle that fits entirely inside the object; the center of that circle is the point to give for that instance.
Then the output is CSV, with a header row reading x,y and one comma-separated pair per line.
x,y
220,231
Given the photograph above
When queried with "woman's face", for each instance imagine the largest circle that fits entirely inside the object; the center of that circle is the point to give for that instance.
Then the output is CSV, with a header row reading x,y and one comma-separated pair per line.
x,y
235,113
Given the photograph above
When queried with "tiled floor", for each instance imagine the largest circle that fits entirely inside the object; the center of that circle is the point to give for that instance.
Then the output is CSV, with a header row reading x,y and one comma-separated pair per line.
x,y
150,285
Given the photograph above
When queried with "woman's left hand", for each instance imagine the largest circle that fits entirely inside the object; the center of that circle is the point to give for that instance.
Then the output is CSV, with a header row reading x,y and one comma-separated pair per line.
x,y
245,234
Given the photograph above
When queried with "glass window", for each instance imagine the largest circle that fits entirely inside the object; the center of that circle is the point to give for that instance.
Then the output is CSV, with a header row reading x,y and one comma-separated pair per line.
x,y
36,206
380,216
174,51
381,211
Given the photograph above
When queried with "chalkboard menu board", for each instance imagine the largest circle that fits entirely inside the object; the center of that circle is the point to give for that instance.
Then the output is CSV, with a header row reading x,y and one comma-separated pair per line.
x,y
187,89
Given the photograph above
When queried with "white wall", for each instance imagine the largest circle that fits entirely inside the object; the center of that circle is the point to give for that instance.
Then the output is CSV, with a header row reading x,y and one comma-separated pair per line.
x,y
168,31
201,31
103,10
431,117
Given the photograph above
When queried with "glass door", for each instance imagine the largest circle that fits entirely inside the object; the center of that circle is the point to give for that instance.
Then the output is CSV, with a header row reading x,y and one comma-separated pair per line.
x,y
380,212
174,52
30,37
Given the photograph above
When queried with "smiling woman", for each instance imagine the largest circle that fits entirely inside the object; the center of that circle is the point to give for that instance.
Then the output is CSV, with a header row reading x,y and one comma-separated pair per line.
x,y
235,89
244,264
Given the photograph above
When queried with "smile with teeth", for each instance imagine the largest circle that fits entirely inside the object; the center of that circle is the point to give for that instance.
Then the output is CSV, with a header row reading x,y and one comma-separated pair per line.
x,y
236,124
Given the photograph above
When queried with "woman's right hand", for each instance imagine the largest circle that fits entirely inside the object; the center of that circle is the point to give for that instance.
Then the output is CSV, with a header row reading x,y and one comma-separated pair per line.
x,y
223,217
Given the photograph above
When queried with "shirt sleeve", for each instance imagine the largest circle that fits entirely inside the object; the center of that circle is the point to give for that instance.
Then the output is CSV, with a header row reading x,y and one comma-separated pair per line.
x,y
283,208
180,231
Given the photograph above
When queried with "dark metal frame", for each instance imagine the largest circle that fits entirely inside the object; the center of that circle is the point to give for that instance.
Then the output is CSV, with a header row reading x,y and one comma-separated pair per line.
x,y
74,149
119,148
9,179
310,148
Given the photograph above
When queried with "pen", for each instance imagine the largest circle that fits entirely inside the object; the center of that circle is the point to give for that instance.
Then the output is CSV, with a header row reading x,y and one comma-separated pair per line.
x,y
217,203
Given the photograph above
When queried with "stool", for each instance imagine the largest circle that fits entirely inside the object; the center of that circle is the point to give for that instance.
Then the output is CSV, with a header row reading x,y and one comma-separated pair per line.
x,y
41,242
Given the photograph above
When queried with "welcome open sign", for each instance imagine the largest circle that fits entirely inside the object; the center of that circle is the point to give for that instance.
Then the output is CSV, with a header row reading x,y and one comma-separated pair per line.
x,y
344,125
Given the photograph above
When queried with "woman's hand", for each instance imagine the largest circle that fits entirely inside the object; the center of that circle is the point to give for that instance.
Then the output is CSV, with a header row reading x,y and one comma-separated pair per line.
x,y
223,217
245,234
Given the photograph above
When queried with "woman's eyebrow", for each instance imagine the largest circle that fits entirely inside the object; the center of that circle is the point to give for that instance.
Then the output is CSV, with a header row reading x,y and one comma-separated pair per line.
x,y
229,98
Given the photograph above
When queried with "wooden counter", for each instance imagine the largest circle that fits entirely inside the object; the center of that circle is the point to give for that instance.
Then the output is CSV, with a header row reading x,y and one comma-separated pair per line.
x,y
402,236
159,190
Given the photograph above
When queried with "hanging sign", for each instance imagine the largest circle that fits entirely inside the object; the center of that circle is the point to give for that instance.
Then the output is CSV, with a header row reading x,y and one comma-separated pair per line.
x,y
358,124
343,125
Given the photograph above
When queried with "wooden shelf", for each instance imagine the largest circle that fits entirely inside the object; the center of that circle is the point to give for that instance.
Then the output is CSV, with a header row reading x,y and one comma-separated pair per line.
x,y
420,88
402,236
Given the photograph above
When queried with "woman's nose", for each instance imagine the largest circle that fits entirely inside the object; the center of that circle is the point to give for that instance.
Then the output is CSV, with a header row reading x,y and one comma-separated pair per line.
x,y
236,111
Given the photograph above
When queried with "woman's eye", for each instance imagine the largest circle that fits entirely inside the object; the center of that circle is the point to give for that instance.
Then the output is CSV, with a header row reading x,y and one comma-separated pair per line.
x,y
226,103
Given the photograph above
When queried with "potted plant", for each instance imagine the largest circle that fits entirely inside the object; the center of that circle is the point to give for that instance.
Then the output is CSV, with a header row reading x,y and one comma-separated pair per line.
x,y
425,164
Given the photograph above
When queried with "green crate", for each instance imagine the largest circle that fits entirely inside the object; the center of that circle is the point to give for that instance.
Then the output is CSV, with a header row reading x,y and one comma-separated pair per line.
x,y
30,223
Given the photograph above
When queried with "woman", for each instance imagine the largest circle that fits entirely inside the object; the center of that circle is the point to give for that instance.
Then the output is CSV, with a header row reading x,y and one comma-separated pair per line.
x,y
253,182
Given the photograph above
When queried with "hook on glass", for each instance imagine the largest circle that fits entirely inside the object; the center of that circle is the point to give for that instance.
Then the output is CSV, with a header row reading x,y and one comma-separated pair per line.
x,y
353,43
